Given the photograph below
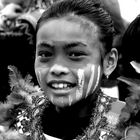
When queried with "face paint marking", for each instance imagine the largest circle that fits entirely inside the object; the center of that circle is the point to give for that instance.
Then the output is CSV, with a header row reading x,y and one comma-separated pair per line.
x,y
79,91
61,99
39,72
98,78
39,76
92,67
70,100
51,98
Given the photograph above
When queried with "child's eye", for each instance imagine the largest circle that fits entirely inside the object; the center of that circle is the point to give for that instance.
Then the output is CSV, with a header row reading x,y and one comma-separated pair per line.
x,y
77,55
45,55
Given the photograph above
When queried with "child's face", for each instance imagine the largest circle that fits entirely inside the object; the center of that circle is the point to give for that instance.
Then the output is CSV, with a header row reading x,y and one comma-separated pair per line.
x,y
68,61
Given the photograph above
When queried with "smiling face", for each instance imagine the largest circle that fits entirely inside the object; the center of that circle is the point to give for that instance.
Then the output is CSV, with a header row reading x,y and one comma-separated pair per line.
x,y
68,60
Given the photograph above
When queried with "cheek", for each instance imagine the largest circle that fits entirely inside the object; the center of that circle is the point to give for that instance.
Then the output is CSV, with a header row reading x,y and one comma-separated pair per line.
x,y
88,80
41,74
92,76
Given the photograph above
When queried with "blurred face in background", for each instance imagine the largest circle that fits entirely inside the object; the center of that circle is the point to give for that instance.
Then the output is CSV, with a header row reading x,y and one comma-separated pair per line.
x,y
13,8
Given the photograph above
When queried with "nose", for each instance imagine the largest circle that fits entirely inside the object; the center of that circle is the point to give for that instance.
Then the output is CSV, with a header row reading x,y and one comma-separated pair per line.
x,y
11,11
58,70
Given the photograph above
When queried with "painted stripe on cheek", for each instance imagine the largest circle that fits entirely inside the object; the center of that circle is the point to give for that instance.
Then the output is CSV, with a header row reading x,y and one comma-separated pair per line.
x,y
98,78
38,73
92,67
70,100
51,98
79,91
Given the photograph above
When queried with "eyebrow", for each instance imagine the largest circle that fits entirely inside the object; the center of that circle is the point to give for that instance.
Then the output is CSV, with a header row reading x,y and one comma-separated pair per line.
x,y
44,45
74,44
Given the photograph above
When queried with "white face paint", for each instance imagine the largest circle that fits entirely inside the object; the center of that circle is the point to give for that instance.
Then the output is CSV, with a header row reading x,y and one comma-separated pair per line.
x,y
98,78
94,78
70,100
52,99
60,100
94,73
79,91
39,72
92,69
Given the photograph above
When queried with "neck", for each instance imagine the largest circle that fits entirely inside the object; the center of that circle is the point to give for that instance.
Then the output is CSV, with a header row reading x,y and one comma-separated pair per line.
x,y
80,109
60,122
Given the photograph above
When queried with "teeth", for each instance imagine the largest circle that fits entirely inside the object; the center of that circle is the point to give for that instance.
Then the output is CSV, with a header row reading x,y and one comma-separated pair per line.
x,y
60,86
65,85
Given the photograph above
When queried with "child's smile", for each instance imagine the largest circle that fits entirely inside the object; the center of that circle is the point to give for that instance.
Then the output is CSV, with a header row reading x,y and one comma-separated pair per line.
x,y
61,87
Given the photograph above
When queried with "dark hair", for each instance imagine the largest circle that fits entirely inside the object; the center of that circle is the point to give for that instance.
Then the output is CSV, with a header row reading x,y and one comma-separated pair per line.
x,y
131,41
129,50
89,9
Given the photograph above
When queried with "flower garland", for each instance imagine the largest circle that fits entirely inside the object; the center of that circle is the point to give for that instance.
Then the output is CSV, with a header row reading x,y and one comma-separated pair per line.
x,y
26,103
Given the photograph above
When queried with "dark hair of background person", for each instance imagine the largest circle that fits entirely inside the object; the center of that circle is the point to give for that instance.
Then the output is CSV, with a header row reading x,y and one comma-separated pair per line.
x,y
129,51
113,8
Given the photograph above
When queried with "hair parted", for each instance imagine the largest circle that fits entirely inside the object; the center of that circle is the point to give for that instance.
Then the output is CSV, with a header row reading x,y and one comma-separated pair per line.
x,y
90,10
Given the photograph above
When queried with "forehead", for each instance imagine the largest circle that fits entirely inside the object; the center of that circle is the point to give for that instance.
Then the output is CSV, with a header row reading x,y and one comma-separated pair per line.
x,y
71,24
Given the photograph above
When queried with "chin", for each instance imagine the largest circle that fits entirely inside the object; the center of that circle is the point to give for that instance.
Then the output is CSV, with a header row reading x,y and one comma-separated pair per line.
x,y
59,103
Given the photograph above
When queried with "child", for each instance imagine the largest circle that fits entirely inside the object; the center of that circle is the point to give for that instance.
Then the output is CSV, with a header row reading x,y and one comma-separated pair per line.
x,y
73,51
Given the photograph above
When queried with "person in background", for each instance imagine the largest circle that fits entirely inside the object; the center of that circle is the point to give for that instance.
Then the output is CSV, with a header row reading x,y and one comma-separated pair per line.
x,y
129,61
18,20
73,51
113,8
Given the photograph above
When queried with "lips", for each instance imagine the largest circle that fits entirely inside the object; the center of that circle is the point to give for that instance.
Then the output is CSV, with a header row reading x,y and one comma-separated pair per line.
x,y
61,85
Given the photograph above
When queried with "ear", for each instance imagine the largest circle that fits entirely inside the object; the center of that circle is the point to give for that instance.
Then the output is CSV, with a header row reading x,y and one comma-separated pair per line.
x,y
110,61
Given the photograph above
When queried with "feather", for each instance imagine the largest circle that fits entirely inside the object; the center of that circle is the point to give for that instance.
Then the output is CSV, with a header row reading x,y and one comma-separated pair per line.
x,y
131,110
14,76
136,66
22,91
4,108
